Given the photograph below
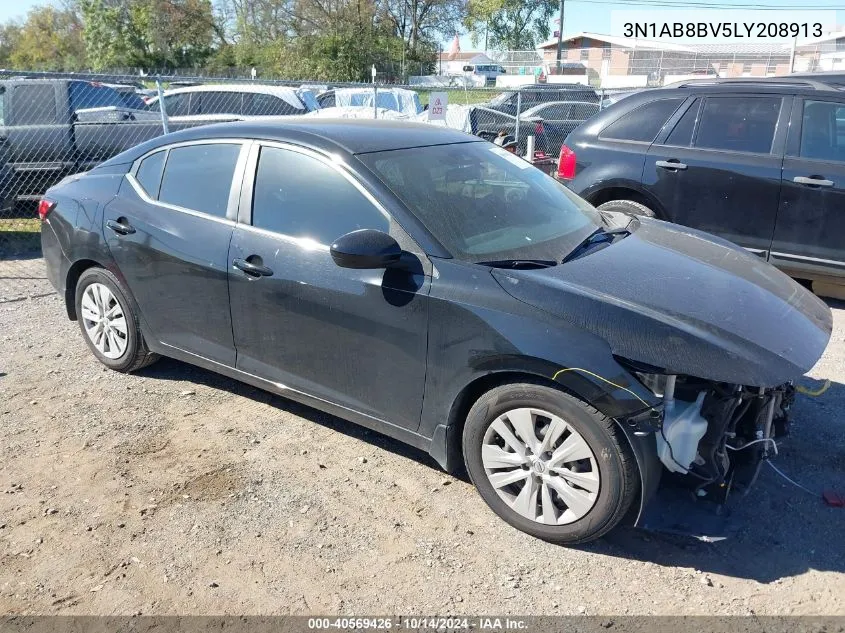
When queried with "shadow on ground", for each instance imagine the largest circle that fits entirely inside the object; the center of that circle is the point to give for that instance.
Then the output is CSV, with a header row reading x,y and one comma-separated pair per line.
x,y
777,531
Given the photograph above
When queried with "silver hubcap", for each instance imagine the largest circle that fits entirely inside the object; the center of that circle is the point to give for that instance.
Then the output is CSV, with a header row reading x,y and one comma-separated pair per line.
x,y
540,466
104,320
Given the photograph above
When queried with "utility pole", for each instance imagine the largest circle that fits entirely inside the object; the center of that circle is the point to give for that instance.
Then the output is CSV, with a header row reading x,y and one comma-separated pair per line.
x,y
560,36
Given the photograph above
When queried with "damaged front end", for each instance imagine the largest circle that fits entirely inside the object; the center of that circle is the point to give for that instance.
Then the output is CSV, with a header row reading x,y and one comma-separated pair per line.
x,y
715,436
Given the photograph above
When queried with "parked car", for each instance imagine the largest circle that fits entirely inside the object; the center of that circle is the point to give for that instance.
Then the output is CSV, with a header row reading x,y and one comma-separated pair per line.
x,y
55,127
397,99
835,78
211,102
536,94
559,118
421,282
488,71
488,124
760,163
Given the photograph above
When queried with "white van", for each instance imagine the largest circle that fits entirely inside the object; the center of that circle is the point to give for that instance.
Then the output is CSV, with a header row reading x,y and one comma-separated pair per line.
x,y
488,71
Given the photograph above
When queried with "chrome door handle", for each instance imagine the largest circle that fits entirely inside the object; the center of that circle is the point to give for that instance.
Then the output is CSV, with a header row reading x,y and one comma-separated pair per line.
x,y
670,164
121,228
255,270
812,181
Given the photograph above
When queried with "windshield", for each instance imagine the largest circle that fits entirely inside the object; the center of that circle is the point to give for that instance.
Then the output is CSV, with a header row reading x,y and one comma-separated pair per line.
x,y
307,97
501,98
484,203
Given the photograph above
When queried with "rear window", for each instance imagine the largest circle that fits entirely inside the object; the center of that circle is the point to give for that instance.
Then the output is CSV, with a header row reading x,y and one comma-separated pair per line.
x,y
87,95
643,123
739,124
199,177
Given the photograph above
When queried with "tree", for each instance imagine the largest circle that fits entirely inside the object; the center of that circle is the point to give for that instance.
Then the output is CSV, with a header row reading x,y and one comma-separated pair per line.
x,y
148,33
510,24
420,22
10,35
49,39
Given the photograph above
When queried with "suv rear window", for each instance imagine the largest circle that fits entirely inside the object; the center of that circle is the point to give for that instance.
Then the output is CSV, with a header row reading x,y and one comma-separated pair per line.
x,y
739,124
643,123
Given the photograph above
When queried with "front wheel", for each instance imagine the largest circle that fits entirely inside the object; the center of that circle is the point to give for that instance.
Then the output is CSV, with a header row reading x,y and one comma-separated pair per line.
x,y
549,464
108,323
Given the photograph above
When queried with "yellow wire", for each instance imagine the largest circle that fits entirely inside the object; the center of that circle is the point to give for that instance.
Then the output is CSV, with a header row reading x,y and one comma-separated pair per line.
x,y
561,371
811,392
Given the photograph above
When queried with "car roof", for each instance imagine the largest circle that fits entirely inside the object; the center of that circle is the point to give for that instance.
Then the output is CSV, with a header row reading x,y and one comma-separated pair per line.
x,y
767,85
253,88
350,136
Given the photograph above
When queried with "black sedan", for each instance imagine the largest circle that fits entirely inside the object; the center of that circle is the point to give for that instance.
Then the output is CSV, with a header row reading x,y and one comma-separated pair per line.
x,y
436,288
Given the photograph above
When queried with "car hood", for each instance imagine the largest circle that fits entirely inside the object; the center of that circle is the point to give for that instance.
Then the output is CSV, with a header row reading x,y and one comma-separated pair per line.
x,y
685,302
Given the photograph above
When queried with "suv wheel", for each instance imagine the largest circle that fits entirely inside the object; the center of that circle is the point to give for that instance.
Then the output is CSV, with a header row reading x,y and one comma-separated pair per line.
x,y
549,464
108,324
627,206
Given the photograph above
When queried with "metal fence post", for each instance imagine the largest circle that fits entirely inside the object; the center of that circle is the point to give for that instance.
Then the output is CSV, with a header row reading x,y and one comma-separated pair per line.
x,y
375,100
518,113
161,107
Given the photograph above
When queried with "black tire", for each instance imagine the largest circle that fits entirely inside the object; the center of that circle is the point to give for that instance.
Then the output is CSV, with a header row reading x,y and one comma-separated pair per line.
x,y
136,355
619,480
627,206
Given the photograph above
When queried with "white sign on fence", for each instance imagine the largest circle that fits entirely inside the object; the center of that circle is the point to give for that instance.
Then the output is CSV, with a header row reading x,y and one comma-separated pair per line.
x,y
437,103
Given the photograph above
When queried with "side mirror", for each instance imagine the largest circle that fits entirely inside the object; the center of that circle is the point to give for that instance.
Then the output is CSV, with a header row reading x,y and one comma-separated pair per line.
x,y
365,248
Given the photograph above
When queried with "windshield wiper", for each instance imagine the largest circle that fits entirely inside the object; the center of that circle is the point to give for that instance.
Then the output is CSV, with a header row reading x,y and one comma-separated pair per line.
x,y
522,264
597,237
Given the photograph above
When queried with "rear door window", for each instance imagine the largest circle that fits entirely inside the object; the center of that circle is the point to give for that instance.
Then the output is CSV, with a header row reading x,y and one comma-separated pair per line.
x,y
177,105
823,131
738,124
643,122
34,105
268,105
199,177
219,102
681,136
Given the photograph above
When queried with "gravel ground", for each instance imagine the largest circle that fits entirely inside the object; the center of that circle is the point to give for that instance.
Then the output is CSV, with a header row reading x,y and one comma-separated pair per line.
x,y
178,491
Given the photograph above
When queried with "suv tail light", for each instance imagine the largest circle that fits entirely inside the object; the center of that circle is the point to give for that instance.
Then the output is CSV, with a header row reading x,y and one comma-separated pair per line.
x,y
566,164
44,208
538,128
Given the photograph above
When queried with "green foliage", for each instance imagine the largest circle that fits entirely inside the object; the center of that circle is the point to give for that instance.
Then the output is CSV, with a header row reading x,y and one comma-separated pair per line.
x,y
49,39
511,24
324,40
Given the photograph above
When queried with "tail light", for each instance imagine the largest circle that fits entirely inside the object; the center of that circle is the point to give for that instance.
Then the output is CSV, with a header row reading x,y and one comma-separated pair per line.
x,y
566,164
44,208
538,128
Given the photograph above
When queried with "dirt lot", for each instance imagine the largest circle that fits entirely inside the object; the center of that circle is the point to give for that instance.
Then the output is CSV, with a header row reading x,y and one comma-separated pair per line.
x,y
179,491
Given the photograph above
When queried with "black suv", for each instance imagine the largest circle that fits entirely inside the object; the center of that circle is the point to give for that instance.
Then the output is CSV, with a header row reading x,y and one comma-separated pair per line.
x,y
760,163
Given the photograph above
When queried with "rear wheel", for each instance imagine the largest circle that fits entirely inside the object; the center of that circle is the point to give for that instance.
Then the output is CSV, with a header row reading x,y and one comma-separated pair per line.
x,y
627,206
549,464
108,323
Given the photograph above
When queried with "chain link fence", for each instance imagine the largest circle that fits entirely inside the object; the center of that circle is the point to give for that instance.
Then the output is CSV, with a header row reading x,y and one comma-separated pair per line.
x,y
56,124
